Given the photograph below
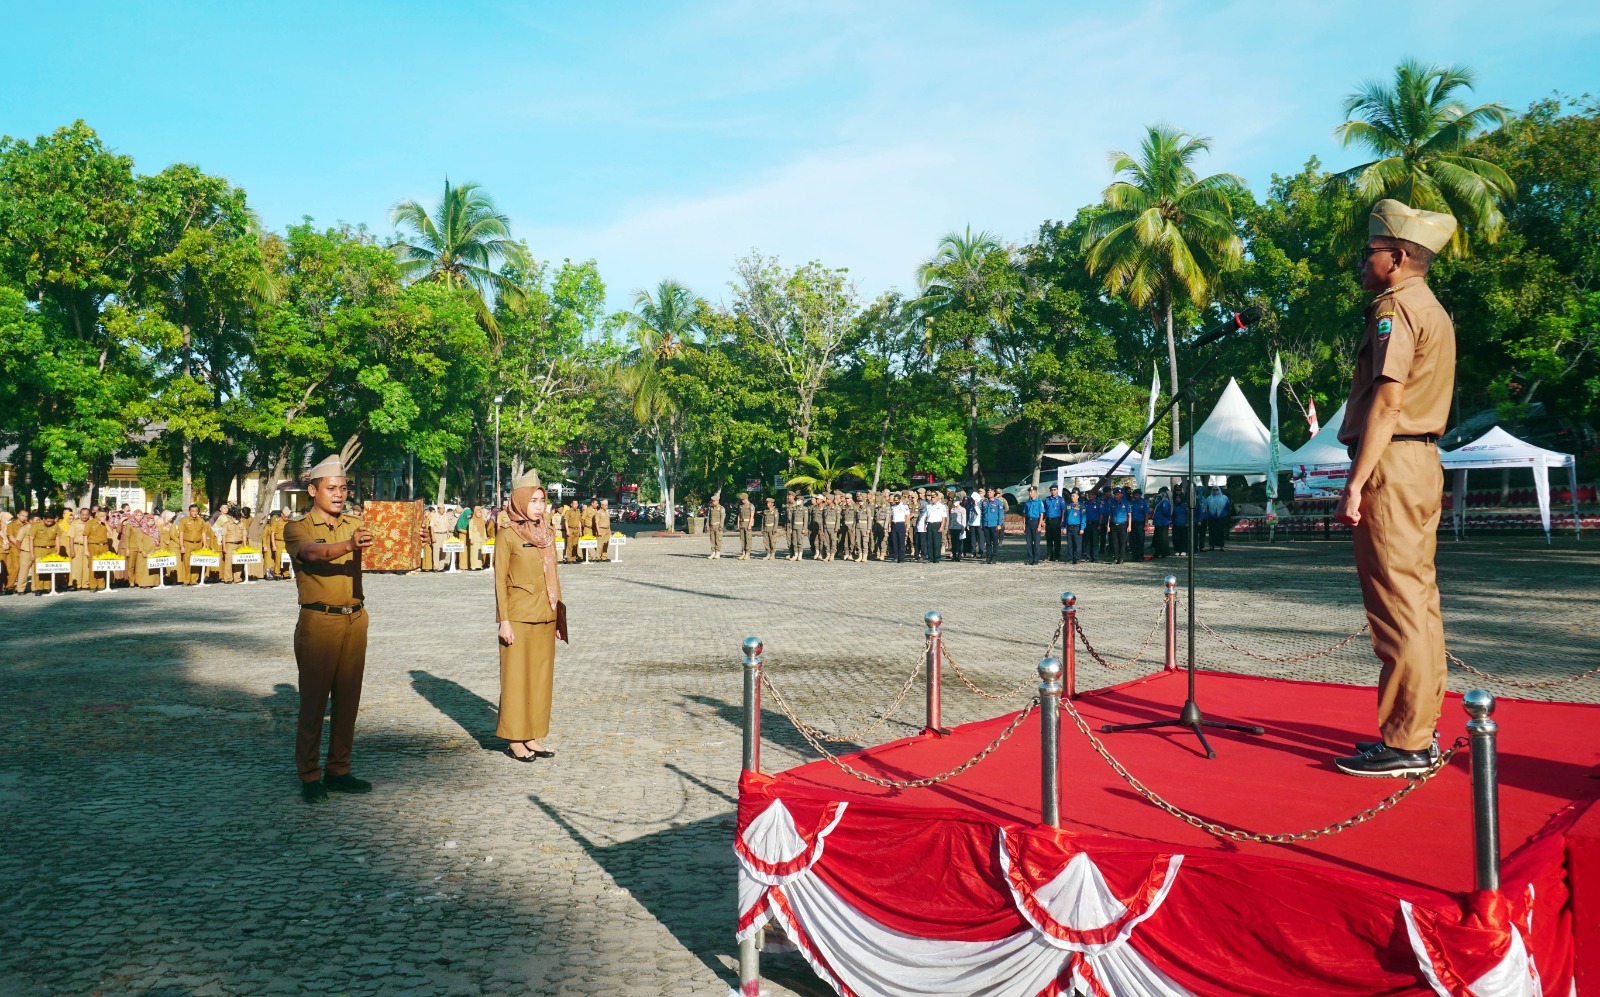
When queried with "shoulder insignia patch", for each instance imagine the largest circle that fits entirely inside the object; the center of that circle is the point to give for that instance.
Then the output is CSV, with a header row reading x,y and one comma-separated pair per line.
x,y
1385,326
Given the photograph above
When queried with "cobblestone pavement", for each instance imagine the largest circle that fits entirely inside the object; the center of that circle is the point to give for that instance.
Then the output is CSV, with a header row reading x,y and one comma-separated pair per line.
x,y
154,842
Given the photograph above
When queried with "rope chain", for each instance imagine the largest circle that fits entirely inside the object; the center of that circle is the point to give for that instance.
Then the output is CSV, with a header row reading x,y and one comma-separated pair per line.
x,y
1240,834
856,736
1008,696
1078,625
1282,661
932,780
1521,684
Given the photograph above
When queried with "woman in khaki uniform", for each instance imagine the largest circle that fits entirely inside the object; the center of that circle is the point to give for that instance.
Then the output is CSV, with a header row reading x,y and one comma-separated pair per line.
x,y
97,541
528,609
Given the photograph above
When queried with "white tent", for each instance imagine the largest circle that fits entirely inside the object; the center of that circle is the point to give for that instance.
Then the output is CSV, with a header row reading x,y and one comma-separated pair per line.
x,y
1232,440
1098,466
1323,449
1498,448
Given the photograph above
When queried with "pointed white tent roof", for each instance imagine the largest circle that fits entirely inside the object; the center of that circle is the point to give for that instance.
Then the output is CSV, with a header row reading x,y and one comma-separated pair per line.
x,y
1498,448
1323,449
1096,467
1232,440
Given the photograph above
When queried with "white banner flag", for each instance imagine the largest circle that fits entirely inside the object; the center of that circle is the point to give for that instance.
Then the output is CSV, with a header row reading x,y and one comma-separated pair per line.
x,y
1274,449
1144,455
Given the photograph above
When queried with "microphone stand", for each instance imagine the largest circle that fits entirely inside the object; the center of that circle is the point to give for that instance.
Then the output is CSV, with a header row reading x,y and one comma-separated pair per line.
x,y
1190,716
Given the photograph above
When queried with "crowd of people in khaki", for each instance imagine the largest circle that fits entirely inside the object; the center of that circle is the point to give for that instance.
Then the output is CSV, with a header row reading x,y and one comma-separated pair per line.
x,y
134,537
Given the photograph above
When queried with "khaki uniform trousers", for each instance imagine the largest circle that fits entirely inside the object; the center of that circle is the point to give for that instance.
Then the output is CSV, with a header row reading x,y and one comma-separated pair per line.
x,y
770,538
714,534
1394,547
527,676
25,572
330,651
604,536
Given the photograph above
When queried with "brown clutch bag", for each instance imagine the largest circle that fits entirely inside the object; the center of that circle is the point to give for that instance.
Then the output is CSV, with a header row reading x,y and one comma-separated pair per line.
x,y
561,622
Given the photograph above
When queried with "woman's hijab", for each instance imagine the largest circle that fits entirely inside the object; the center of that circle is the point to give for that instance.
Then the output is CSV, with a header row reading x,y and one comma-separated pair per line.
x,y
533,527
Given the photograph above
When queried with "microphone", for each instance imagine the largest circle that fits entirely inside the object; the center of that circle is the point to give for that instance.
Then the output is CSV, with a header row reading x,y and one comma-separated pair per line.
x,y
1233,323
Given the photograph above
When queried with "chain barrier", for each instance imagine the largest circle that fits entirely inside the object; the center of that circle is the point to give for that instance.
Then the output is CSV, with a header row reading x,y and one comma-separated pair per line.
x,y
1078,625
1240,834
860,734
1009,695
1282,661
867,777
1523,684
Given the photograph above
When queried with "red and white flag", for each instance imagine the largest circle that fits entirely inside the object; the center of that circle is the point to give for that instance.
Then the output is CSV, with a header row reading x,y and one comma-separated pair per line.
x,y
1311,416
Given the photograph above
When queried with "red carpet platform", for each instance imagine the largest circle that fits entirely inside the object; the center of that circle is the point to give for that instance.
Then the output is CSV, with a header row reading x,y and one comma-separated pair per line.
x,y
957,889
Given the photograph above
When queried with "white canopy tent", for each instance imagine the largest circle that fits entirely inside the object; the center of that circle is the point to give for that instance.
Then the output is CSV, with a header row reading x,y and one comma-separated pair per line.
x,y
1097,467
1232,440
1323,449
1499,449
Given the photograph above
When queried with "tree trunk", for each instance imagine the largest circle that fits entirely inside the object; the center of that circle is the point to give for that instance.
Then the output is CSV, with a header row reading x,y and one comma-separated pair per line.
x,y
1172,371
439,500
188,446
883,445
667,517
972,428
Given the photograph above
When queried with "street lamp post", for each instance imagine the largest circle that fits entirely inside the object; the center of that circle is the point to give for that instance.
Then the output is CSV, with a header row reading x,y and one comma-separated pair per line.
x,y
497,400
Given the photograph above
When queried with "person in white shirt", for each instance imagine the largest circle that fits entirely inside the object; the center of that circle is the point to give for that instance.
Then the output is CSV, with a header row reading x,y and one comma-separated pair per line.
x,y
898,512
936,512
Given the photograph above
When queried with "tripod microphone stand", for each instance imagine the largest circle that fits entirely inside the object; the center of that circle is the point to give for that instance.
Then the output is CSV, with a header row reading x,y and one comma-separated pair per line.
x,y
1190,716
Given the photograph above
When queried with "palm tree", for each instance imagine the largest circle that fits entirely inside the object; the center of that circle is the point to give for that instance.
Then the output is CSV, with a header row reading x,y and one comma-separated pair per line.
x,y
1418,129
1165,233
970,272
662,327
824,471
458,245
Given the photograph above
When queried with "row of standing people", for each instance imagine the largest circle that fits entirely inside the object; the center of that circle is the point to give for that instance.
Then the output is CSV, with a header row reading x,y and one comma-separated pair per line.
x,y
1113,525
476,527
135,537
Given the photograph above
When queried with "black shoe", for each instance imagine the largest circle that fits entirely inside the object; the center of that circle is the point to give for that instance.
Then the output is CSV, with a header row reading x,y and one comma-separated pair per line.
x,y
312,792
532,757
1362,747
346,783
1384,762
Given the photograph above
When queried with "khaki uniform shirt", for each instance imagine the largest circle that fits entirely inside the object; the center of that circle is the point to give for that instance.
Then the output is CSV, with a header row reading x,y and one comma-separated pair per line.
x,y
193,534
1409,339
747,516
331,583
602,522
524,582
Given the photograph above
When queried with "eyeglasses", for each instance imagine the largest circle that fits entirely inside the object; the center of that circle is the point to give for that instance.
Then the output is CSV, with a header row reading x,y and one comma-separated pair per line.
x,y
1367,252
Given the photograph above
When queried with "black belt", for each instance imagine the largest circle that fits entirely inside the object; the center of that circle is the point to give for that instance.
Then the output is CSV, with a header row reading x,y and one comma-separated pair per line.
x,y
1425,438
318,607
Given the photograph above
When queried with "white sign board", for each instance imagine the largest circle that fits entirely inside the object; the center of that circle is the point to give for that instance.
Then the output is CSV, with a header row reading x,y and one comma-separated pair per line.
x,y
588,545
53,567
618,540
284,558
453,546
205,560
111,564
254,557
159,561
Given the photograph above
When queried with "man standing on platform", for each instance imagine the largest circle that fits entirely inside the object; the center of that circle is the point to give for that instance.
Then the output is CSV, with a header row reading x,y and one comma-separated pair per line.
x,y
1399,405
330,637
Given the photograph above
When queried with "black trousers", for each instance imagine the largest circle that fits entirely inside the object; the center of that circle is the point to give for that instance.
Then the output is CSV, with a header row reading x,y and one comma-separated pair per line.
x,y
935,542
1052,537
897,541
1219,532
957,538
1119,541
1030,528
1091,539
991,542
1180,537
1075,543
1136,540
1163,540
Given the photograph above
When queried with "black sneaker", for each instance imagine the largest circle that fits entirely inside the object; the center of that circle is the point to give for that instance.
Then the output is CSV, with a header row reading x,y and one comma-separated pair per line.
x,y
312,792
1362,747
1384,762
346,783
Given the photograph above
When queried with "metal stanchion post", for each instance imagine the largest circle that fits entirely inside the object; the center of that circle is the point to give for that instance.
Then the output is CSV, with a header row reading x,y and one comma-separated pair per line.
x,y
1172,623
1069,643
935,659
1050,742
750,948
1485,787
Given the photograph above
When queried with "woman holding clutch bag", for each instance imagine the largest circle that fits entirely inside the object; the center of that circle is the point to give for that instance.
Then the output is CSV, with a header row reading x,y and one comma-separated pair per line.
x,y
530,615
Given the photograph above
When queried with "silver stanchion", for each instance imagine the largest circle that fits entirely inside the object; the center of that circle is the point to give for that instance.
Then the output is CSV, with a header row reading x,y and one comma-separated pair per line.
x,y
934,658
750,948
1069,643
1485,787
1171,584
1050,742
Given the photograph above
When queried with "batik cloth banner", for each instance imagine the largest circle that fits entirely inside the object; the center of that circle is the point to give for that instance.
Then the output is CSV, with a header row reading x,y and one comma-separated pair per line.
x,y
397,527
895,902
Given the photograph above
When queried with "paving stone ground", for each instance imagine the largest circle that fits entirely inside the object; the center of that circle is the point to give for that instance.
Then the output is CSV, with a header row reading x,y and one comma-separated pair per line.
x,y
154,842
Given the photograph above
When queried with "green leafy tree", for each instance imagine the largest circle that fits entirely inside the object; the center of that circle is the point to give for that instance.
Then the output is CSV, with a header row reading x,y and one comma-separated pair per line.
x,y
661,327
822,472
1166,233
1418,127
458,245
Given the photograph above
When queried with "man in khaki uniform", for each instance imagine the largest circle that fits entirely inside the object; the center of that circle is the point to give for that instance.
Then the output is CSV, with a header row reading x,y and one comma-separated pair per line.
x,y
744,520
97,541
827,528
82,576
1398,408
19,569
572,526
440,526
587,524
863,529
796,510
272,544
716,519
232,533
769,529
8,568
192,537
330,637
602,529
39,541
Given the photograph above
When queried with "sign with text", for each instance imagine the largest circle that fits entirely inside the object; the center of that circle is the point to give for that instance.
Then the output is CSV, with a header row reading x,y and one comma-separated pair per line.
x,y
205,559
245,555
453,546
52,566
110,564
160,560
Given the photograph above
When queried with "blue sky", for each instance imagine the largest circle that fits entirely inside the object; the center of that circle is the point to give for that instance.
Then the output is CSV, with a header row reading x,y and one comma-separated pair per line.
x,y
667,139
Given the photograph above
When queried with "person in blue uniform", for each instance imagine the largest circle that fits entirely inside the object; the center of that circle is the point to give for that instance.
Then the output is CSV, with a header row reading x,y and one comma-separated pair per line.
x,y
1180,523
1091,526
1161,520
1140,514
1053,506
1073,514
1121,511
1032,513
